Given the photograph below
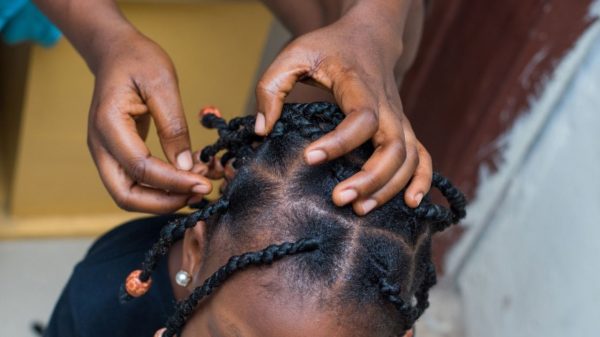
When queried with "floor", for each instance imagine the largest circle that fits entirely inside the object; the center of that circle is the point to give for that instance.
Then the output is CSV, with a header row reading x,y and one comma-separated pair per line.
x,y
32,275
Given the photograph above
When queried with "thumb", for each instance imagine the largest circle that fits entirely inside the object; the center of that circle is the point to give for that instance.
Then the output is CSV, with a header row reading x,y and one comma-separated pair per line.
x,y
164,103
273,87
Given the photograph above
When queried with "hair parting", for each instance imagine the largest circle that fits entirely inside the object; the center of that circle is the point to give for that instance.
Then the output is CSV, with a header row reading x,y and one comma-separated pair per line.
x,y
386,254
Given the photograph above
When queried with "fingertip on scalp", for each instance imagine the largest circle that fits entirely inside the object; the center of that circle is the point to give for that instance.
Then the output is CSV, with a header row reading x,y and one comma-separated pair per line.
x,y
315,156
343,197
260,127
413,200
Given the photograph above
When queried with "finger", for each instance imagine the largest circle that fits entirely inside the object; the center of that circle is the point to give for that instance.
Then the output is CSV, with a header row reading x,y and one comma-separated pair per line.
x,y
200,169
275,84
120,137
392,187
378,170
164,103
215,169
360,124
230,171
421,180
129,195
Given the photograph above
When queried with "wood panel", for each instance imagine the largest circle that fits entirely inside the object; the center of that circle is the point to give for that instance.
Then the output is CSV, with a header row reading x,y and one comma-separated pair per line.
x,y
215,46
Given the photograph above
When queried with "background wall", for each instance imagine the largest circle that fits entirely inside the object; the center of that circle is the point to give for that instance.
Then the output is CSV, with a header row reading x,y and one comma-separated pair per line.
x,y
534,269
51,187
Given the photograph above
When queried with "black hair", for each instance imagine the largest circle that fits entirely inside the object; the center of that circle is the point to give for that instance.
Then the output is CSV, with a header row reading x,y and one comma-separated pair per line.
x,y
381,261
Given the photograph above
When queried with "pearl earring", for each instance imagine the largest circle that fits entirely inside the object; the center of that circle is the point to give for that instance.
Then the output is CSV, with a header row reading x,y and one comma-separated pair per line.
x,y
183,278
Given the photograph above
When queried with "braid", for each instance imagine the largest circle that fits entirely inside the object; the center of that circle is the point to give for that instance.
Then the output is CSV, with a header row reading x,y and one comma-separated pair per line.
x,y
236,137
408,312
440,216
422,294
299,124
170,233
263,257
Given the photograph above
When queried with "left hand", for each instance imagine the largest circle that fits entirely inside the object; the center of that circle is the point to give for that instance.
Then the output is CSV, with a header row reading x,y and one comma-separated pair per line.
x,y
355,60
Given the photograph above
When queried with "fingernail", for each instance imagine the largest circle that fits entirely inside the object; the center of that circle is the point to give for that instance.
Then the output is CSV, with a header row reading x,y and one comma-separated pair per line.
x,y
200,189
184,160
316,156
195,200
259,126
347,196
418,198
368,205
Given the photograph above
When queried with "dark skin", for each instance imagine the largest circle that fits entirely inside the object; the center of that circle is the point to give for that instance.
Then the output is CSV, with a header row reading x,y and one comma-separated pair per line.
x,y
338,48
260,312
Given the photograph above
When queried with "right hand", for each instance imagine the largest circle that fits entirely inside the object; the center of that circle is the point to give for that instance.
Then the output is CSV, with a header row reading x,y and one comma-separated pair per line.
x,y
136,81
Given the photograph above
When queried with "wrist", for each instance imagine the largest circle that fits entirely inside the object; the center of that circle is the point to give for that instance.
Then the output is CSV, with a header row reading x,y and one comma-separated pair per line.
x,y
378,25
104,43
382,16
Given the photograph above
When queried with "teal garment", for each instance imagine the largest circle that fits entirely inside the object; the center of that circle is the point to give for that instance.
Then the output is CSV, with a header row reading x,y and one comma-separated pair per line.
x,y
21,21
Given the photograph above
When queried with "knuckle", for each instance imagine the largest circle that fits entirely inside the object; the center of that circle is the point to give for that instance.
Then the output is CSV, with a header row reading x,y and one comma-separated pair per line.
x,y
369,183
175,129
264,87
397,147
412,153
369,118
338,145
137,169
123,200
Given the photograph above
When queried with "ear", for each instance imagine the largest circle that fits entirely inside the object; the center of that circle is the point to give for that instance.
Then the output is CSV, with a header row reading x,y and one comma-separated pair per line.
x,y
195,241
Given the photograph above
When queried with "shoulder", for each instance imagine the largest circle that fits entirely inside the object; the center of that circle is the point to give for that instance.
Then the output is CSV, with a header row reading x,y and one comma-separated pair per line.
x,y
130,237
93,290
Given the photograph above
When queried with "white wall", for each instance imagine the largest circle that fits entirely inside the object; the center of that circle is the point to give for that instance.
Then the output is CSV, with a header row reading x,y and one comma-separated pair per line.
x,y
531,265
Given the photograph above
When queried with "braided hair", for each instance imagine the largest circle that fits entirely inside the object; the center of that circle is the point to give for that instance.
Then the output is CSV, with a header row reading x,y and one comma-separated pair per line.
x,y
381,261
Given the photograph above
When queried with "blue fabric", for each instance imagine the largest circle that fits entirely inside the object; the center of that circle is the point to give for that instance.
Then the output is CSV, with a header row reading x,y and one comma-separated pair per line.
x,y
21,20
89,305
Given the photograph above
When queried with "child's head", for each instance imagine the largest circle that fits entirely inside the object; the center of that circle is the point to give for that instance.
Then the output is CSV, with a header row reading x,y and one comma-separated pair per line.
x,y
325,271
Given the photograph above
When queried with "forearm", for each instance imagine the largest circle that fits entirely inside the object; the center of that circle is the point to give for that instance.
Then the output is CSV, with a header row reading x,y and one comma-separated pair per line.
x,y
89,25
301,18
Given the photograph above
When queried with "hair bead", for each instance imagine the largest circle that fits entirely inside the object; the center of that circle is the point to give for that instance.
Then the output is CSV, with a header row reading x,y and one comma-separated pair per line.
x,y
136,287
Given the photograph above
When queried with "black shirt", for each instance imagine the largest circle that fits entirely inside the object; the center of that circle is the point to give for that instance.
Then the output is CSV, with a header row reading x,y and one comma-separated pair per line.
x,y
89,304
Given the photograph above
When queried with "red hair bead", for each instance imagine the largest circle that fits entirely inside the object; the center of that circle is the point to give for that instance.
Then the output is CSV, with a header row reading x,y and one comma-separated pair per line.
x,y
210,109
134,286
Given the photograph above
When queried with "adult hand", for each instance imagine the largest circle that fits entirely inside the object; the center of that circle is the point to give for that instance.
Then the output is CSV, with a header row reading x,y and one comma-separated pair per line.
x,y
355,60
136,81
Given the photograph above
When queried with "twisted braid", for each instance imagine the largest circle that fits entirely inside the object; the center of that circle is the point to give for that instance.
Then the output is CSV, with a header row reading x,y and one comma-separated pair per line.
x,y
237,137
263,257
170,233
440,216
409,311
311,121
298,124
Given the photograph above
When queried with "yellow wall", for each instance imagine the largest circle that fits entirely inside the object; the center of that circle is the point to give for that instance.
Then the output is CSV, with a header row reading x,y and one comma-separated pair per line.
x,y
215,47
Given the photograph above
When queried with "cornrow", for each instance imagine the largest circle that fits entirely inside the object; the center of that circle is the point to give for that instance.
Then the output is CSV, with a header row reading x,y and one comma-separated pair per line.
x,y
266,256
409,311
298,125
